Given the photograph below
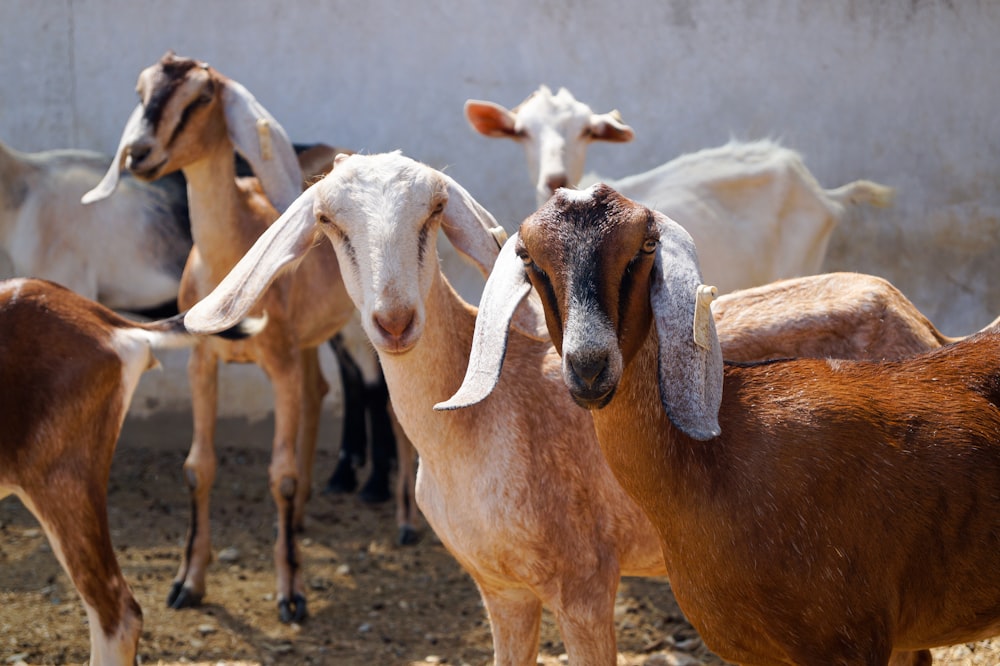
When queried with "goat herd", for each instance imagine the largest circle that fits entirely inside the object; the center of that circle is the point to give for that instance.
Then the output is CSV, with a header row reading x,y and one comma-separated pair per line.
x,y
830,493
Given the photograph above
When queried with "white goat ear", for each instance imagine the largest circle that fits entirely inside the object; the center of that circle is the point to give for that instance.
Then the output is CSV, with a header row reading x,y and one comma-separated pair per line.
x,y
490,119
283,243
477,236
610,127
264,144
107,186
505,288
690,374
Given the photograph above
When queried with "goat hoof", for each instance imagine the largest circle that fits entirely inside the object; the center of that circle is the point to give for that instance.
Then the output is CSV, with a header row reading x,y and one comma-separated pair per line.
x,y
343,480
375,491
293,610
182,597
407,536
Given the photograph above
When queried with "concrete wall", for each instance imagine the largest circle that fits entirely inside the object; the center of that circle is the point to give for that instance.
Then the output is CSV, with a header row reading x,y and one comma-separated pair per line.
x,y
904,92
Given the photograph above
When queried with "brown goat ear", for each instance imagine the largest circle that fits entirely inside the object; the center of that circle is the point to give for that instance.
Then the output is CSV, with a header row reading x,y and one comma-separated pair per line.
x,y
505,288
610,127
107,186
265,145
490,119
690,371
282,244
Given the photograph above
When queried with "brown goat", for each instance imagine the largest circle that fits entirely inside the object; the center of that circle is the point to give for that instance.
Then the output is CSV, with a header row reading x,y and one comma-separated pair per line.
x,y
191,118
68,369
809,511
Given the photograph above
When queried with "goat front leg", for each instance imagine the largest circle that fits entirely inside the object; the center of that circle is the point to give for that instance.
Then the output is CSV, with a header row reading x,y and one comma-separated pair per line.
x,y
407,513
516,621
284,367
585,615
188,588
314,388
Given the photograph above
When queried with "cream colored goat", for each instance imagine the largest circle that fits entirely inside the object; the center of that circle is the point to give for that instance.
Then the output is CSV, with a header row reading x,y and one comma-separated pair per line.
x,y
755,211
68,369
809,511
516,487
191,117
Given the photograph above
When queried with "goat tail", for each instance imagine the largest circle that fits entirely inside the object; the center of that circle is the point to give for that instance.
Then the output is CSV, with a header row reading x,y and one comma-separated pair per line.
x,y
171,333
864,192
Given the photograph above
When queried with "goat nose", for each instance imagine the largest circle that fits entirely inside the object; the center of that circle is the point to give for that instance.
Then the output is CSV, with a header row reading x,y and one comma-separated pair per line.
x,y
394,323
555,181
589,368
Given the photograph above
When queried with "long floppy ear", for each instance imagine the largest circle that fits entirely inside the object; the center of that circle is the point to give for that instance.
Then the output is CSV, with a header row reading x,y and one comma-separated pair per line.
x,y
283,243
104,189
264,144
690,370
505,288
477,236
490,119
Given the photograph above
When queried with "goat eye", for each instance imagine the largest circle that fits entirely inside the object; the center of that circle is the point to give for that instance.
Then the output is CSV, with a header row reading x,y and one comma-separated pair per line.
x,y
323,219
525,259
649,246
438,209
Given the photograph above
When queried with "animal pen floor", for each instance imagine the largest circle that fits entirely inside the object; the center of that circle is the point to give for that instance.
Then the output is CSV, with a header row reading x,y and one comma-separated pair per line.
x,y
370,601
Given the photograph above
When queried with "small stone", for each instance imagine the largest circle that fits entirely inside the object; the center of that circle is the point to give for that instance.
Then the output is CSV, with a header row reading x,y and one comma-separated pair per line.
x,y
433,659
229,555
343,570
205,629
364,628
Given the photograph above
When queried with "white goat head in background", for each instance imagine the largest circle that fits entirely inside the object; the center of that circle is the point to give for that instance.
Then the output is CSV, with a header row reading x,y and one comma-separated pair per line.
x,y
555,131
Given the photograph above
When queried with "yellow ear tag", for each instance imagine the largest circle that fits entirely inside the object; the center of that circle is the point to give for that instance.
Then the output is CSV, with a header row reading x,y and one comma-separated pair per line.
x,y
264,138
499,235
703,315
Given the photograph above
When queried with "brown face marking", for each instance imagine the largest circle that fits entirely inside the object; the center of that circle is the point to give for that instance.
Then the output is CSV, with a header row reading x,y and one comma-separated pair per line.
x,y
592,248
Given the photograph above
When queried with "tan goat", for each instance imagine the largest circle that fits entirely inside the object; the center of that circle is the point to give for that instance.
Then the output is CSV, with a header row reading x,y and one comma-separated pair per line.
x,y
809,511
68,369
191,118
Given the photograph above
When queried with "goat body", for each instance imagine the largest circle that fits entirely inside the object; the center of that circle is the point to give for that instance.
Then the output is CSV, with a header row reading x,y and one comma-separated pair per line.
x,y
755,211
127,252
190,118
839,511
68,369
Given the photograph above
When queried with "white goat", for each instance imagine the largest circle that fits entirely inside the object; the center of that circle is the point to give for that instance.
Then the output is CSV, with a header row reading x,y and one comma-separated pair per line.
x,y
754,209
515,488
126,252
191,117
809,511
68,369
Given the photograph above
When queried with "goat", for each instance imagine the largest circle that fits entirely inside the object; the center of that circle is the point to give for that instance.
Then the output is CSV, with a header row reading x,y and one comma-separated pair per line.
x,y
495,498
753,208
809,511
190,118
126,253
68,369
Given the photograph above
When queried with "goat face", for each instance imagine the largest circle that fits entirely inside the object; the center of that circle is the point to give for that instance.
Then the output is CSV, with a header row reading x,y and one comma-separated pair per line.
x,y
555,130
589,255
177,95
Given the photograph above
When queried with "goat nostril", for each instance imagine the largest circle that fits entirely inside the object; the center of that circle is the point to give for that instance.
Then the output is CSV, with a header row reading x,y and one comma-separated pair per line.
x,y
394,324
589,369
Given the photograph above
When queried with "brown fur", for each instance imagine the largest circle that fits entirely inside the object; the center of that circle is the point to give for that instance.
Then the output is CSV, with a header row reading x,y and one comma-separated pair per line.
x,y
849,509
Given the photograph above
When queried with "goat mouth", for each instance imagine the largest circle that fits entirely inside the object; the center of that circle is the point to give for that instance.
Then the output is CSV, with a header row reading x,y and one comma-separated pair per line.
x,y
591,401
146,173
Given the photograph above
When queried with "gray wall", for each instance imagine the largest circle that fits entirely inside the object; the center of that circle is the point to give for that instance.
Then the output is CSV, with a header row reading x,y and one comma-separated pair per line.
x,y
904,92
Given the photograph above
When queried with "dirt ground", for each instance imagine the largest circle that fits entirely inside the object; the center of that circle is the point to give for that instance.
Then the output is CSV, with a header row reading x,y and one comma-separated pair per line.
x,y
370,602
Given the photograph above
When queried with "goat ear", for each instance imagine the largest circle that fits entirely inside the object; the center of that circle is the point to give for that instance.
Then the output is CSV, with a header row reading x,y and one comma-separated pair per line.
x,y
282,244
505,288
690,370
610,127
264,144
107,186
477,236
490,119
